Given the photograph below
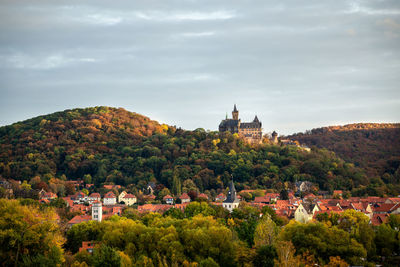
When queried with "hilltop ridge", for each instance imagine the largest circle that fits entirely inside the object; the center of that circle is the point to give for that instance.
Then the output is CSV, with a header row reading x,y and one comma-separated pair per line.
x,y
372,146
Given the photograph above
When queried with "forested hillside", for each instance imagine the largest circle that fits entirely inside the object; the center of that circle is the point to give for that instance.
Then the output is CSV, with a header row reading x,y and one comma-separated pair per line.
x,y
109,145
374,147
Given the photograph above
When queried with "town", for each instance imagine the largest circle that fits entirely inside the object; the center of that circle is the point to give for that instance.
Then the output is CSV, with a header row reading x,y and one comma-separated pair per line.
x,y
303,209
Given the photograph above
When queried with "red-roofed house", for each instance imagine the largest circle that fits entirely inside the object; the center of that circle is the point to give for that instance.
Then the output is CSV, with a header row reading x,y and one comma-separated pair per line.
x,y
79,219
392,200
263,199
129,199
154,208
110,199
382,208
168,199
49,195
44,201
378,219
184,198
338,192
202,195
94,197
220,197
88,246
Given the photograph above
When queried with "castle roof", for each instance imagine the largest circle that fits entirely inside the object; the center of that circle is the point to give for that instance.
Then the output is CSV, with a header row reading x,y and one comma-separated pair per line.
x,y
234,108
229,123
254,124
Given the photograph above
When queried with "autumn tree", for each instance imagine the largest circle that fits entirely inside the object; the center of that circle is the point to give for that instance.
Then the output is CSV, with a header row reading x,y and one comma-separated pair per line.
x,y
29,236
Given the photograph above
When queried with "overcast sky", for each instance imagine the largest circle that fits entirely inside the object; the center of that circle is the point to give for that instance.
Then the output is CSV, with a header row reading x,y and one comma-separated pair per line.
x,y
298,65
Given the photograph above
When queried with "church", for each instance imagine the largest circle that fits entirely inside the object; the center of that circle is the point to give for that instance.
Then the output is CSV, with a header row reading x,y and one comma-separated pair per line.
x,y
251,131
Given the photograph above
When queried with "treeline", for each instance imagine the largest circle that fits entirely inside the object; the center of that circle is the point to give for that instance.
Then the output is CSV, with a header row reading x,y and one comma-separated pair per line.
x,y
374,147
202,235
108,145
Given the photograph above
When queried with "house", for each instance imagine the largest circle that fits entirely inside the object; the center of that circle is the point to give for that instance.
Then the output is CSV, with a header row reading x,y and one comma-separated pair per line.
x,y
79,197
129,199
392,200
88,246
221,197
264,199
154,208
149,197
151,187
202,195
303,186
382,208
79,219
232,201
121,196
337,193
110,199
168,199
184,198
89,185
97,211
93,197
305,212
48,195
378,219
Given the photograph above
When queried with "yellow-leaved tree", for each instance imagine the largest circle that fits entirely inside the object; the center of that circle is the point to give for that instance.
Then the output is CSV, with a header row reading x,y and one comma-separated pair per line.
x,y
29,236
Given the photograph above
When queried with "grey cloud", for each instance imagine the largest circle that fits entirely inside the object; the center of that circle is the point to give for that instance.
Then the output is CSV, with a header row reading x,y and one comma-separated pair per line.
x,y
297,64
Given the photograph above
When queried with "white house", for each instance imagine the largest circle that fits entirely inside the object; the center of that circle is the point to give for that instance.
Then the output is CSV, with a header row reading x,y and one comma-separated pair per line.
x,y
110,199
129,199
93,197
305,212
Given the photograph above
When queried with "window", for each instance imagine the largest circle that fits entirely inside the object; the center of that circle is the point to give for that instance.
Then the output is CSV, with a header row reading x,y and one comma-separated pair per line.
x,y
95,216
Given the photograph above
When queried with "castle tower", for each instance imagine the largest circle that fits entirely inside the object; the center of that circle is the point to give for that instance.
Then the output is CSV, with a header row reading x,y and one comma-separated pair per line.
x,y
235,113
97,211
232,201
274,137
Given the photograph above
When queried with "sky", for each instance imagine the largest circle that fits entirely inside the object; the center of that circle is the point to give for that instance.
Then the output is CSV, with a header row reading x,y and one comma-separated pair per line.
x,y
297,65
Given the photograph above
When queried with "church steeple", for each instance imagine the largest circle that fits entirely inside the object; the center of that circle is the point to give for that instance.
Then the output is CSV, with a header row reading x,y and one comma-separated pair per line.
x,y
235,113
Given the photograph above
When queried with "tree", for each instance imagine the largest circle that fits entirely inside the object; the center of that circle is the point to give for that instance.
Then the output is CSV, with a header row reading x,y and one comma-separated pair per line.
x,y
176,186
29,236
105,256
286,255
265,233
265,256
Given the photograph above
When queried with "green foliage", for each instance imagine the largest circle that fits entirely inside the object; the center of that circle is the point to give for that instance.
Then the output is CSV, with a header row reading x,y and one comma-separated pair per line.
x,y
323,241
105,256
265,256
372,146
104,144
195,208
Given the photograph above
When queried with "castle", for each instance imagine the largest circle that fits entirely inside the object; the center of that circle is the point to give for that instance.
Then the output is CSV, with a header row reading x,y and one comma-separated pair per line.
x,y
251,131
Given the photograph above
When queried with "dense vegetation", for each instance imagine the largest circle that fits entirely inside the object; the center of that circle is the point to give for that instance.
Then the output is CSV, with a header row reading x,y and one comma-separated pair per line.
x,y
202,235
108,145
374,147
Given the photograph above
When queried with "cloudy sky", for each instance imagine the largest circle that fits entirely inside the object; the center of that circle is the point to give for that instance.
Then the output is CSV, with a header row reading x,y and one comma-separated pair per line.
x,y
296,64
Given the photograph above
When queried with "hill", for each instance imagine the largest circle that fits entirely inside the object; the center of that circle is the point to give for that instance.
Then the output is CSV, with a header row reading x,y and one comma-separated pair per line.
x,y
374,147
109,145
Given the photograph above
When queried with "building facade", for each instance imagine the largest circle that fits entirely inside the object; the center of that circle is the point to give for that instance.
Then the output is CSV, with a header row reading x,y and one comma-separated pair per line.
x,y
251,131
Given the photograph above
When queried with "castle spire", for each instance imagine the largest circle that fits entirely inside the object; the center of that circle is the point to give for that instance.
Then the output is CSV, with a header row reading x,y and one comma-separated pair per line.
x,y
235,113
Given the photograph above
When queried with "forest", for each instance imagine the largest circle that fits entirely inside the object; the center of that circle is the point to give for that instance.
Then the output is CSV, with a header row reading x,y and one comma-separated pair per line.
x,y
104,145
375,147
202,235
